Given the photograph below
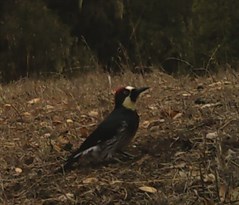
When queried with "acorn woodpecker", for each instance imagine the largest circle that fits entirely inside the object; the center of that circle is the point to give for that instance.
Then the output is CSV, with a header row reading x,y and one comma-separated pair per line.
x,y
115,132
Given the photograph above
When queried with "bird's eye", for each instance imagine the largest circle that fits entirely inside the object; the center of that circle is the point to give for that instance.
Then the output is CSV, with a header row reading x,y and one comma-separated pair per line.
x,y
126,92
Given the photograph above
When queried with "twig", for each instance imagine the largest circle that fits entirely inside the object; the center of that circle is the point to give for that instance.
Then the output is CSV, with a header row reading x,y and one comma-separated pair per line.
x,y
211,57
216,184
110,83
18,113
235,164
181,60
201,177
226,124
90,50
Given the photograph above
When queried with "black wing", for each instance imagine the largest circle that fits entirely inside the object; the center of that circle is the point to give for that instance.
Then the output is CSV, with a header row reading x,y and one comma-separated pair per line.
x,y
105,131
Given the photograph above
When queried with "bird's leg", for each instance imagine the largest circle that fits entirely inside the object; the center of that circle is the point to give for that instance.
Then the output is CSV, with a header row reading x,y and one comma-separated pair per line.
x,y
116,160
126,154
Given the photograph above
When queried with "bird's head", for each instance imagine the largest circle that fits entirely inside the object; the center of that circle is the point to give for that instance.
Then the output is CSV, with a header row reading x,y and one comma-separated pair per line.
x,y
127,96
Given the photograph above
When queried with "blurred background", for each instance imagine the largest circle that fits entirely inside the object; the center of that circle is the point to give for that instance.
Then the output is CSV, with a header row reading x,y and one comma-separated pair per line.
x,y
44,37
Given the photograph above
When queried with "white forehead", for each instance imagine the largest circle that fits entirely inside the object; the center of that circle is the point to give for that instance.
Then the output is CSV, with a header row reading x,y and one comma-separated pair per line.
x,y
129,87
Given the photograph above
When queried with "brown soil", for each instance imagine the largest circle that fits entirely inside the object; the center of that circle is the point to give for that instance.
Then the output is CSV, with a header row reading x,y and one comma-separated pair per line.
x,y
187,146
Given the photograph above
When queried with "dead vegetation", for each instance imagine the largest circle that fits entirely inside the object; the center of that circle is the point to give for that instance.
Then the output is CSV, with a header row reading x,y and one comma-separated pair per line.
x,y
187,145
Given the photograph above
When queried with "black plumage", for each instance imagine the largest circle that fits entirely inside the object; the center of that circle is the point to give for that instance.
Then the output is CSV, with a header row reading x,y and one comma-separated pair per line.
x,y
114,132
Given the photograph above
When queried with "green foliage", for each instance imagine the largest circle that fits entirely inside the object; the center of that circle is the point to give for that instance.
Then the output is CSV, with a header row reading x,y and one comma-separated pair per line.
x,y
35,40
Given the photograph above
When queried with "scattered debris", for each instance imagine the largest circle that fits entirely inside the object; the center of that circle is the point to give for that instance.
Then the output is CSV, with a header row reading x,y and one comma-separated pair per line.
x,y
187,144
148,189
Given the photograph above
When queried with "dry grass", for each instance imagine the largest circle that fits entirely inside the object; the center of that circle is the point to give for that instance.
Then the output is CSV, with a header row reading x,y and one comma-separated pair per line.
x,y
187,152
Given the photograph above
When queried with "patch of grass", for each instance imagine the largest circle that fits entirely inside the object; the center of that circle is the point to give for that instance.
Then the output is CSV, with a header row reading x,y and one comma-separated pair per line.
x,y
187,151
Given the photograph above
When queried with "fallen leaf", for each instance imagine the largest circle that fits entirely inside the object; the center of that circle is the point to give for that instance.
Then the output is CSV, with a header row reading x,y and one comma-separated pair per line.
x,y
186,94
152,107
93,113
47,135
209,178
49,107
211,135
18,170
26,114
55,146
222,192
182,174
62,140
180,165
56,122
169,113
90,180
148,189
69,121
177,115
84,132
154,129
43,124
145,124
67,196
215,84
195,174
34,101
7,106
208,105
62,143
179,153
229,155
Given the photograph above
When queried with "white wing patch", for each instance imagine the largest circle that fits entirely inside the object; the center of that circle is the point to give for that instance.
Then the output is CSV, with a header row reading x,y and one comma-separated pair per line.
x,y
87,151
105,150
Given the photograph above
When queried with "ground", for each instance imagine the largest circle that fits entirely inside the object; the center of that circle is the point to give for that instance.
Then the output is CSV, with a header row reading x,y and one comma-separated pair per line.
x,y
186,147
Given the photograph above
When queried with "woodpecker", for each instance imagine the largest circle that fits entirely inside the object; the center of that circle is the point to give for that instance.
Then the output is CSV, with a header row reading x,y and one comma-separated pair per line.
x,y
115,132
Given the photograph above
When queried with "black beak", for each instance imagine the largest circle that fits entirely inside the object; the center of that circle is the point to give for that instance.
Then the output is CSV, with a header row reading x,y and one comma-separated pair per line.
x,y
136,92
140,90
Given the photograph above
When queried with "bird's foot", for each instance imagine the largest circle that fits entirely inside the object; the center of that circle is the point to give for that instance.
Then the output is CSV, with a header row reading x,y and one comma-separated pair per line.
x,y
127,155
116,160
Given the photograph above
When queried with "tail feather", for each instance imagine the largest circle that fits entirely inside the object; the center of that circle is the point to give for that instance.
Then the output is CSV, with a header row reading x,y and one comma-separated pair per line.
x,y
69,163
75,156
